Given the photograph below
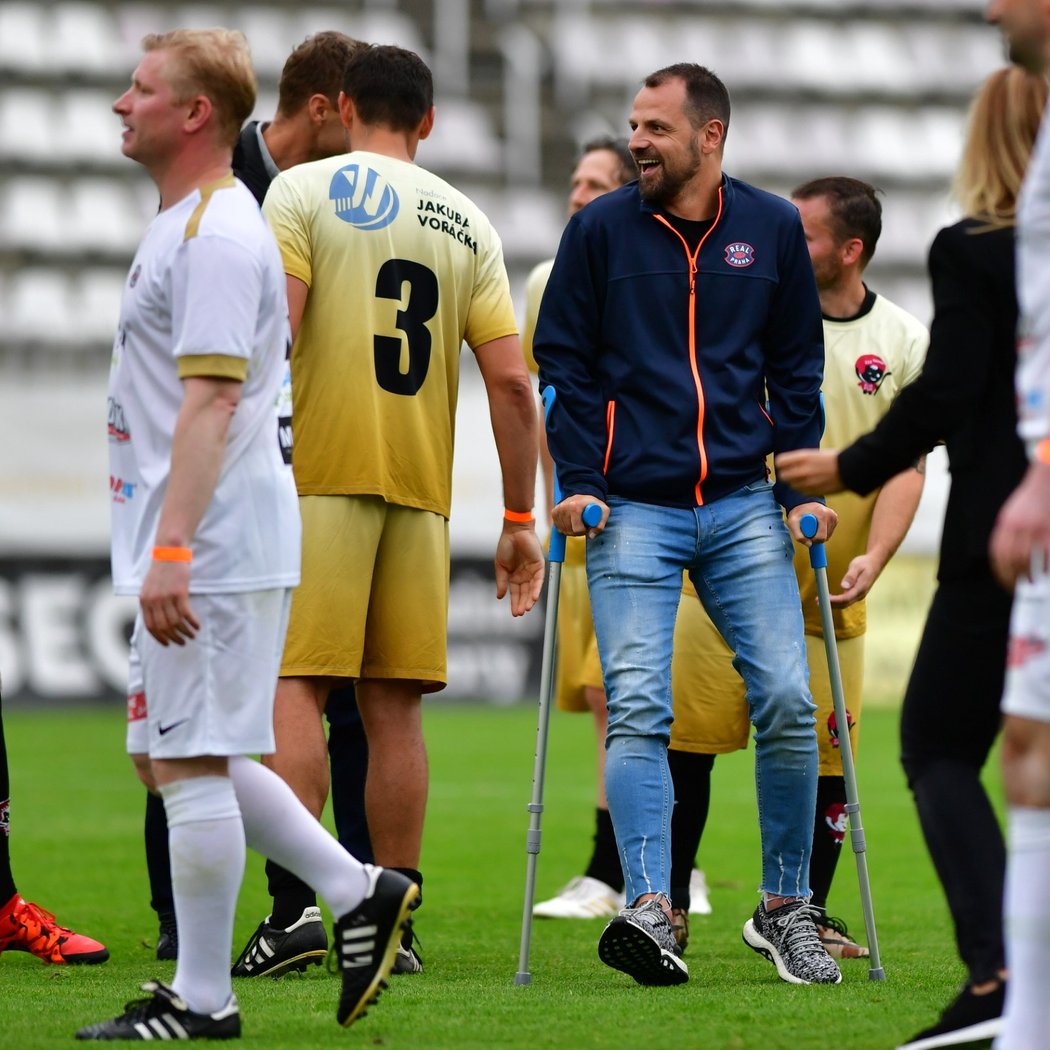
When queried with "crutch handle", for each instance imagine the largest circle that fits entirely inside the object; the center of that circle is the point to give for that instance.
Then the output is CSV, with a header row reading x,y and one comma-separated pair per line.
x,y
808,525
592,513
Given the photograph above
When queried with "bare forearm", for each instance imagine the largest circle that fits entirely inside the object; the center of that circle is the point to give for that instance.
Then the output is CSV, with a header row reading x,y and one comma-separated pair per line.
x,y
516,434
512,410
197,451
893,513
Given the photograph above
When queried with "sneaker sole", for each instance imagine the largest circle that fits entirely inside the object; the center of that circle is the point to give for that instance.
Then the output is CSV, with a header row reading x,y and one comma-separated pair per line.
x,y
960,1037
380,981
754,940
79,959
548,910
626,948
299,963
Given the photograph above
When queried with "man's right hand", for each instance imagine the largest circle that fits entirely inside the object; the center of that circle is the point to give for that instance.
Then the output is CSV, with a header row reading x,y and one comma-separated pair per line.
x,y
568,516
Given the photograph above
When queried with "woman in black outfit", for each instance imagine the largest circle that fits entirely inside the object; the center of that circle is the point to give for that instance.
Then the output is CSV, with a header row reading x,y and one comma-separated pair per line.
x,y
965,397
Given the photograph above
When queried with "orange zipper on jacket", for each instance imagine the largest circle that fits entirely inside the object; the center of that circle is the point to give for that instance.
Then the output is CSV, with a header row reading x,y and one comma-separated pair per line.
x,y
610,426
693,363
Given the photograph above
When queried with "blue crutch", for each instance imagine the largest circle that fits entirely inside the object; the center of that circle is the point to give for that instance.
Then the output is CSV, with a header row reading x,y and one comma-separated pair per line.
x,y
818,558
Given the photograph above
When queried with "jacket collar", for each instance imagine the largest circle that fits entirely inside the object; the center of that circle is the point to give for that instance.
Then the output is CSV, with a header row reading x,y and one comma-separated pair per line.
x,y
727,198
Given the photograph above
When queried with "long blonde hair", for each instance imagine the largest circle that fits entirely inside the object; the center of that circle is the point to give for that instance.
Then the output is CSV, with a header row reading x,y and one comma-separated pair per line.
x,y
1003,121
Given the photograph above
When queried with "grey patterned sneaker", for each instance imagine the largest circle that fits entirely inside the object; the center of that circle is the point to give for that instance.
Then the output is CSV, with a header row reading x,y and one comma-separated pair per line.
x,y
787,937
272,951
165,1015
641,942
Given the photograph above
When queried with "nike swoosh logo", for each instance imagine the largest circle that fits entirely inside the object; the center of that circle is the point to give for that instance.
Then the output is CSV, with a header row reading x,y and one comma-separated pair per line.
x,y
168,728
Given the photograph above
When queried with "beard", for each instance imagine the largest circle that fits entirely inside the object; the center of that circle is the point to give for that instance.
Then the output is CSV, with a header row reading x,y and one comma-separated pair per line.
x,y
663,187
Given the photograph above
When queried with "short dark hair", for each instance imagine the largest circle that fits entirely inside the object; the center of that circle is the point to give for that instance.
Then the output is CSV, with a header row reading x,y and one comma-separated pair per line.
x,y
315,67
389,86
855,208
706,97
620,149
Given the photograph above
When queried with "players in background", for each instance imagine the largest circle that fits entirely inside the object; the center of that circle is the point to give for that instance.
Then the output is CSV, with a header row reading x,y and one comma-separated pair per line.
x,y
872,350
965,395
389,269
26,927
206,533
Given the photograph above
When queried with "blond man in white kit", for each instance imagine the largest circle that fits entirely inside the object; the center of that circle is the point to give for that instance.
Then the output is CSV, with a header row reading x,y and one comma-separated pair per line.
x,y
206,532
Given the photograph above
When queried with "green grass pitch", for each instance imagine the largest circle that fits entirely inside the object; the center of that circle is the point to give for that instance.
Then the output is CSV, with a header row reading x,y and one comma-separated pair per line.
x,y
77,850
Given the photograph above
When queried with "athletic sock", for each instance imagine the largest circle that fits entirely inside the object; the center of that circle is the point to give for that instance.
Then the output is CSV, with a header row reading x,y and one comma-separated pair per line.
x,y
207,867
7,882
158,857
280,827
1027,912
605,859
417,877
829,831
291,896
691,776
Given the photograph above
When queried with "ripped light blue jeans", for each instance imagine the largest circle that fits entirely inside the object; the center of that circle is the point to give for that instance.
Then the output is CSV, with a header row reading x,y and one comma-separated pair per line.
x,y
738,552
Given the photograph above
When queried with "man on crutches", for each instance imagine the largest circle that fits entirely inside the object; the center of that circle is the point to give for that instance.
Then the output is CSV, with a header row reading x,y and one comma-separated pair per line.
x,y
674,306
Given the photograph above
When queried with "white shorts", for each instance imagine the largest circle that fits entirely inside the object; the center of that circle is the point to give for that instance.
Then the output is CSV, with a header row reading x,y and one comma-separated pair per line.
x,y
214,695
1027,693
138,726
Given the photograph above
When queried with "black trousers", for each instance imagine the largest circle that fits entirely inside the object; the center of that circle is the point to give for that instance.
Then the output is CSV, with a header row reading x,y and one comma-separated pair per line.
x,y
949,721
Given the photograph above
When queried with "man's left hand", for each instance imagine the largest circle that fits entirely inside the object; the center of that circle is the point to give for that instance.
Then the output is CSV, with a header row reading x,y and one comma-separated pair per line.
x,y
827,519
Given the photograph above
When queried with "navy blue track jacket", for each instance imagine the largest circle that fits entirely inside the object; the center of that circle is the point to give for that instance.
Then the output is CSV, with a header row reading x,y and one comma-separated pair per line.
x,y
663,363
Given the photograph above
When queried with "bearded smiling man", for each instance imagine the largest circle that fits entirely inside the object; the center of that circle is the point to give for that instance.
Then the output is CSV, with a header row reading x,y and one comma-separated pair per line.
x,y
681,319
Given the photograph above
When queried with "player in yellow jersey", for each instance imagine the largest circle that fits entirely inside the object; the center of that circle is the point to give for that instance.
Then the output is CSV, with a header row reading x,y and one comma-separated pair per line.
x,y
389,270
872,349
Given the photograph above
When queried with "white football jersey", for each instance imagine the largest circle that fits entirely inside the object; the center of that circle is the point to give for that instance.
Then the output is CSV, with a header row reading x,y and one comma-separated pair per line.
x,y
205,297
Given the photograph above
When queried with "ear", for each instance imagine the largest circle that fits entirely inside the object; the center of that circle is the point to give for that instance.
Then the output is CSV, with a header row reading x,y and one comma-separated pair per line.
x,y
852,250
318,107
426,125
346,110
199,110
712,135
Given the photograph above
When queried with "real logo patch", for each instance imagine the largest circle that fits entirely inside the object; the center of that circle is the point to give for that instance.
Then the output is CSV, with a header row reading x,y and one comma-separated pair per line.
x,y
740,253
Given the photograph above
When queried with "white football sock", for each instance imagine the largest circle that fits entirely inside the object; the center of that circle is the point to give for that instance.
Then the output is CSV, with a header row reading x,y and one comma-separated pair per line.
x,y
281,828
1027,922
206,840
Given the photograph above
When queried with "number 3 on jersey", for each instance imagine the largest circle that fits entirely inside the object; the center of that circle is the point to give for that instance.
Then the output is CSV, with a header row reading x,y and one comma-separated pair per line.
x,y
420,305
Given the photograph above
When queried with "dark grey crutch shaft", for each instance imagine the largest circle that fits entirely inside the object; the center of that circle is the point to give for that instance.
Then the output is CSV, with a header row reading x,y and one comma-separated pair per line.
x,y
819,560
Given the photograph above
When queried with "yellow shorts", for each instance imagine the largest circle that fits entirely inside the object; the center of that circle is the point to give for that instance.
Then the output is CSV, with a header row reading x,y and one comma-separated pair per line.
x,y
578,665
373,602
710,712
